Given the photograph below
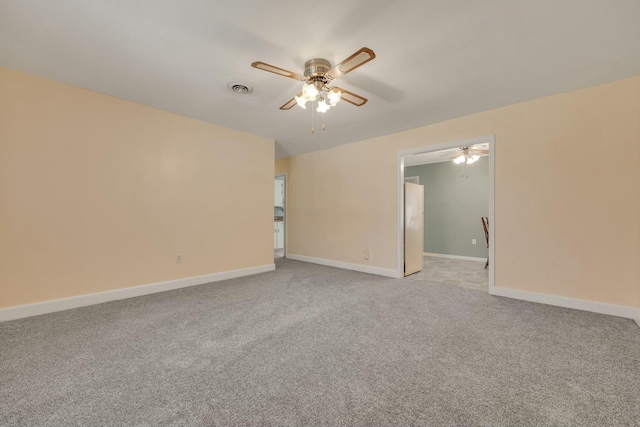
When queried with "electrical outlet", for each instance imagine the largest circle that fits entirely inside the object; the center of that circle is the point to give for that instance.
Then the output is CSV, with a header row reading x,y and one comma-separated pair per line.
x,y
178,259
366,254
473,241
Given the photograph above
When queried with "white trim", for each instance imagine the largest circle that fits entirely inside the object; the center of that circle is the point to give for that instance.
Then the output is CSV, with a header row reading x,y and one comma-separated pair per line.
x,y
400,224
28,310
387,272
490,140
467,258
433,162
637,319
578,304
492,213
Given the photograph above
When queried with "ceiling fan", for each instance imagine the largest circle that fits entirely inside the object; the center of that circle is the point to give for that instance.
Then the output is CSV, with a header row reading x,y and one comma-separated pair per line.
x,y
468,155
318,73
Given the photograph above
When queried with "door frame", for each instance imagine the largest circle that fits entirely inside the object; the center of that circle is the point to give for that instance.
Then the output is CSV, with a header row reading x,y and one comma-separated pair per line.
x,y
284,209
490,140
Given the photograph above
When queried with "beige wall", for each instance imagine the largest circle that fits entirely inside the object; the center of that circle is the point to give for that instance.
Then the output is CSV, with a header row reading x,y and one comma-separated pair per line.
x,y
97,193
566,206
281,166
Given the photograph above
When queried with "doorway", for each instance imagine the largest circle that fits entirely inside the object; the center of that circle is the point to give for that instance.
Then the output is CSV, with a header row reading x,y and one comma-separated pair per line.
x,y
442,154
280,216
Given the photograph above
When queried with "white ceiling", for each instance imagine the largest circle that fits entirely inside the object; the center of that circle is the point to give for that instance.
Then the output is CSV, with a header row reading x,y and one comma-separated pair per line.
x,y
436,60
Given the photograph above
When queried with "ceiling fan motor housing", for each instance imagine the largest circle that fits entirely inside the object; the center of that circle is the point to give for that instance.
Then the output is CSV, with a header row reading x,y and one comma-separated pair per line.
x,y
315,70
316,67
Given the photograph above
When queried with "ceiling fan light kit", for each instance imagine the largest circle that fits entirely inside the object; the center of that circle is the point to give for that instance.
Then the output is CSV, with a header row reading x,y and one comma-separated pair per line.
x,y
468,156
318,73
466,159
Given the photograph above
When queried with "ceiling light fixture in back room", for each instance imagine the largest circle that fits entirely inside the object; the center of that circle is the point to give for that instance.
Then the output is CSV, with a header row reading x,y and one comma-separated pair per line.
x,y
318,73
468,155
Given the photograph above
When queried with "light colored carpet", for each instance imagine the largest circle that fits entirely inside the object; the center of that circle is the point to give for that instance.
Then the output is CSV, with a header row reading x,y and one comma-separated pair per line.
x,y
455,272
314,345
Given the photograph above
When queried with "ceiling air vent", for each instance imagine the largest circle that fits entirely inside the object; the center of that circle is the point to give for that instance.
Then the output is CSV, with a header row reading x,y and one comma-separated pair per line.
x,y
240,88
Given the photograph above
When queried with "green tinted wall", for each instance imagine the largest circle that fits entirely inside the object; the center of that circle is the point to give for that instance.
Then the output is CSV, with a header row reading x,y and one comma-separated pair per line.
x,y
455,197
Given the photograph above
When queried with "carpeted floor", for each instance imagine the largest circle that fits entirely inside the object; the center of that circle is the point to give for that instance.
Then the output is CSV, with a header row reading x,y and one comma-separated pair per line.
x,y
313,345
455,272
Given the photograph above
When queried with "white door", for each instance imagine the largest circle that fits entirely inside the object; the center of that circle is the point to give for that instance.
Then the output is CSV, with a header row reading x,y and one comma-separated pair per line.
x,y
280,212
279,235
413,227
275,235
278,192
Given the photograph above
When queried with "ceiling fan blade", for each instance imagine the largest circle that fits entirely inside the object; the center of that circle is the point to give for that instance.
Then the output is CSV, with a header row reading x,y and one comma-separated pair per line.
x,y
290,103
480,151
351,97
276,70
359,58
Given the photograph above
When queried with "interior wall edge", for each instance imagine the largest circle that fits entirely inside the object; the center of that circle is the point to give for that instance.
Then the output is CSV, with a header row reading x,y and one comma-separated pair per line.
x,y
464,257
627,312
387,272
62,304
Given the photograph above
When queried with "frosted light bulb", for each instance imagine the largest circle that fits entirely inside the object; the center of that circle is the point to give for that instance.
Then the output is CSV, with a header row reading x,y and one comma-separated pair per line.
x,y
459,159
309,92
322,106
334,97
301,102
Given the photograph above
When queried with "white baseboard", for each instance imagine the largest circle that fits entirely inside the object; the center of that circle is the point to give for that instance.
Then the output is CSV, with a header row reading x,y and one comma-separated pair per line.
x,y
28,310
637,319
387,272
578,304
467,258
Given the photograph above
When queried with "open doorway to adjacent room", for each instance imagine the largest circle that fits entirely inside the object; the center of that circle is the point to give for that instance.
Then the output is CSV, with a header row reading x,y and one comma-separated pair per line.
x,y
280,215
456,210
